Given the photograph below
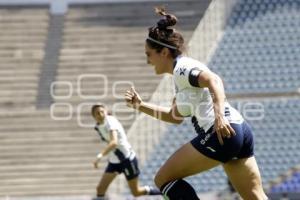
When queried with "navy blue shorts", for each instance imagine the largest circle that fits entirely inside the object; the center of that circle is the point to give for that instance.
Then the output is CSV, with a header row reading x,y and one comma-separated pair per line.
x,y
128,167
239,146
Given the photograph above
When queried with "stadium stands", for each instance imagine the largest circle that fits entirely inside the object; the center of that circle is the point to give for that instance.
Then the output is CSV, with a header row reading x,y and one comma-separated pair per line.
x,y
292,184
259,50
31,142
286,186
23,35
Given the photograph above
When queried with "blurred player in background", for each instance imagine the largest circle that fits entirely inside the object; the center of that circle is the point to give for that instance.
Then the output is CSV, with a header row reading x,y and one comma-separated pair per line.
x,y
121,157
224,138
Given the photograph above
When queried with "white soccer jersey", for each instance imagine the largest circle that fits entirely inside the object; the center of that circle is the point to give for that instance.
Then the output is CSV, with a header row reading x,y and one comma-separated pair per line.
x,y
195,101
123,149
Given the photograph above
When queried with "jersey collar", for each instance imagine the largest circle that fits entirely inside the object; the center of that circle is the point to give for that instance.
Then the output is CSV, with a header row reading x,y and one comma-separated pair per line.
x,y
176,60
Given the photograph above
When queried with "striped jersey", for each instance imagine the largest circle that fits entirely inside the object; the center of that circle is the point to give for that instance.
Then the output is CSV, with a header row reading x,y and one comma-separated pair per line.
x,y
123,149
194,101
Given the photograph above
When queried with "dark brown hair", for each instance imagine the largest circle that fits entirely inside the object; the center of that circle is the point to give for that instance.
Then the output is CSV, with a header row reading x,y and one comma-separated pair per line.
x,y
94,107
163,32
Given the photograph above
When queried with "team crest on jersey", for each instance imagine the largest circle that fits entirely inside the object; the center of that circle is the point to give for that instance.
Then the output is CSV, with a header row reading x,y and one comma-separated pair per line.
x,y
181,71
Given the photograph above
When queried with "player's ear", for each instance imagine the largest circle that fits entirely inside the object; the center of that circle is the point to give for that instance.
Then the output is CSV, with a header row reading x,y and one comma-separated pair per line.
x,y
165,52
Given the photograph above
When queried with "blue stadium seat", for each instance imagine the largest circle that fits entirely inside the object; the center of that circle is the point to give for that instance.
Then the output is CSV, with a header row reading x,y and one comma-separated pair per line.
x,y
261,35
292,184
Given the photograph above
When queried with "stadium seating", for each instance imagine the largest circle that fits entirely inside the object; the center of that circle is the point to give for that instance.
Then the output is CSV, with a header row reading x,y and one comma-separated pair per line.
x,y
286,186
292,184
23,35
259,50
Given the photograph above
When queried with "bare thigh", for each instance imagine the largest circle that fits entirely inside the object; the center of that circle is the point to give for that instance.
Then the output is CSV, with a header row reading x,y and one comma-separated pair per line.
x,y
105,181
135,189
184,162
245,177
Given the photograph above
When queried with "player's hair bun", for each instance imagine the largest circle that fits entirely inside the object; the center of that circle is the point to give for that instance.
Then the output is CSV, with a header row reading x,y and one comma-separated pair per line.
x,y
168,20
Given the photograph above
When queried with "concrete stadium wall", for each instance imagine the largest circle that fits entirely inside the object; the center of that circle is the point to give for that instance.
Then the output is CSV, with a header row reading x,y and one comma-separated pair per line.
x,y
61,6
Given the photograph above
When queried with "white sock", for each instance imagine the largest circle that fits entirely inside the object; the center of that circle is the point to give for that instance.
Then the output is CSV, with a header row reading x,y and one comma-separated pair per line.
x,y
147,188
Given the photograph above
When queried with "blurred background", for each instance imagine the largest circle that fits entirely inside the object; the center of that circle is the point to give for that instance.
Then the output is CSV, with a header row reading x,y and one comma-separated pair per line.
x,y
59,57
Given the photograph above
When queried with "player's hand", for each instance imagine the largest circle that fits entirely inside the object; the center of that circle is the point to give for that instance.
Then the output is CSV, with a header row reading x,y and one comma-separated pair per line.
x,y
223,129
96,163
133,99
99,156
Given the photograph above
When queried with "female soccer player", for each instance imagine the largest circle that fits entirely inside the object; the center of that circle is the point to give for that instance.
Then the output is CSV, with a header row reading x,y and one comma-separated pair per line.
x,y
121,157
223,137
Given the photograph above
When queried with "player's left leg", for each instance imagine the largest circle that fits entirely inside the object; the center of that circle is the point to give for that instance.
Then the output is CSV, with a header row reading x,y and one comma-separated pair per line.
x,y
131,171
245,177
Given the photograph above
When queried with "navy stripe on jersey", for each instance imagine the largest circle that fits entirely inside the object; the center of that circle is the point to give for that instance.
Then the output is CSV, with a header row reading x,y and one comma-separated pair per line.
x,y
193,77
120,155
227,112
100,134
198,129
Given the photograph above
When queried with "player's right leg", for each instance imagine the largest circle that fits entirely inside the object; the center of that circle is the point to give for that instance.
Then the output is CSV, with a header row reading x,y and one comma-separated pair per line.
x,y
138,190
186,161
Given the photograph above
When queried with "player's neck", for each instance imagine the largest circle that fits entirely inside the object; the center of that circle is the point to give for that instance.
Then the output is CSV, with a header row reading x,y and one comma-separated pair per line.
x,y
169,65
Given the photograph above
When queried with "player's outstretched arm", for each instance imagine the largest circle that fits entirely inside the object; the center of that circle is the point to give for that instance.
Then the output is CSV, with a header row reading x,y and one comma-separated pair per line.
x,y
171,115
